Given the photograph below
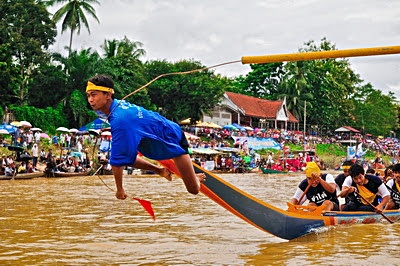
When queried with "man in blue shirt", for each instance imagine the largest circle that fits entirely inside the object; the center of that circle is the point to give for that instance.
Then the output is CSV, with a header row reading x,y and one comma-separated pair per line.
x,y
135,129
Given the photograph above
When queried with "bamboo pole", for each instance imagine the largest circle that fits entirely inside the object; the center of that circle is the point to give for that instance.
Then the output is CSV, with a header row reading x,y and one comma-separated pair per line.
x,y
261,59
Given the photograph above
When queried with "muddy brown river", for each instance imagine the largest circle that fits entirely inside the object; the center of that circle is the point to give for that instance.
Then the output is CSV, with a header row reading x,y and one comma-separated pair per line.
x,y
78,221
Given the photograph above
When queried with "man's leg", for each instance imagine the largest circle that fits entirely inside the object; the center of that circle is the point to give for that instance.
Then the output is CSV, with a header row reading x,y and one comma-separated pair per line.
x,y
189,177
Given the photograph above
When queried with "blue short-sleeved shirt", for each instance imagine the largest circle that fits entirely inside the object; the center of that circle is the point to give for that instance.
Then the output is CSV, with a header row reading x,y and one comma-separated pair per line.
x,y
134,129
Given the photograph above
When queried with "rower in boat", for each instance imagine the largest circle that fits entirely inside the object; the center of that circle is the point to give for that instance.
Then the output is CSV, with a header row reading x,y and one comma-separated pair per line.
x,y
319,189
394,186
366,190
341,177
388,174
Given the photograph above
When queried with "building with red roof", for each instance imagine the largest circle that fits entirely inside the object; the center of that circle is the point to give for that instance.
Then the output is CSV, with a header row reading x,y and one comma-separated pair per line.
x,y
251,111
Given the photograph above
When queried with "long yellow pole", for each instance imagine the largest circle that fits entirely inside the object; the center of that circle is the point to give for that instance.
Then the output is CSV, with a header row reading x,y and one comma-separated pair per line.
x,y
261,59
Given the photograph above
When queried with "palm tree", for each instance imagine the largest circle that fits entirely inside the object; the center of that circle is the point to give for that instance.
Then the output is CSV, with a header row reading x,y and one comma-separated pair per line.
x,y
110,48
294,88
73,13
124,47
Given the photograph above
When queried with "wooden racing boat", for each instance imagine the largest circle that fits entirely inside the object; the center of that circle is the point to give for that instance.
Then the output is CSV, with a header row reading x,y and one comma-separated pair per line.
x,y
67,174
281,223
22,176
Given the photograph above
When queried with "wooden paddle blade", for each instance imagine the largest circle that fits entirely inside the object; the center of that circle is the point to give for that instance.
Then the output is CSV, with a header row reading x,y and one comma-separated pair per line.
x,y
147,206
307,210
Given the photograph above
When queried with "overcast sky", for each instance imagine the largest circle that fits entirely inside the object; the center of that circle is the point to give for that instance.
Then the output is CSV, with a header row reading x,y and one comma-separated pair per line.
x,y
217,31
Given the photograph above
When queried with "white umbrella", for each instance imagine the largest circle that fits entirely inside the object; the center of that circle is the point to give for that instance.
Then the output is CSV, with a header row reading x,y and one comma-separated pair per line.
x,y
73,130
3,132
25,124
63,129
36,129
106,133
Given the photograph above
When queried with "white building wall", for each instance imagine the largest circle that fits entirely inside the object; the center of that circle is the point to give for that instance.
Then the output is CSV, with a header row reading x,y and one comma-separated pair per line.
x,y
281,115
220,116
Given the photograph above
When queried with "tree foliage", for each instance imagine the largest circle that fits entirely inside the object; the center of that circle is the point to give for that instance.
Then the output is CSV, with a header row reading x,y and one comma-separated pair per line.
x,y
74,16
184,96
24,39
331,82
375,113
262,81
48,118
122,62
53,85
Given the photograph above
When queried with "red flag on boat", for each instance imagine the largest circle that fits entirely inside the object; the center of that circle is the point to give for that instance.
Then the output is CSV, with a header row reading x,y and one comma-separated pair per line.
x,y
147,206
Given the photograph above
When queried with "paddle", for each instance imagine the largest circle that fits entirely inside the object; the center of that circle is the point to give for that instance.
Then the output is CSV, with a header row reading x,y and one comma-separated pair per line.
x,y
376,209
304,193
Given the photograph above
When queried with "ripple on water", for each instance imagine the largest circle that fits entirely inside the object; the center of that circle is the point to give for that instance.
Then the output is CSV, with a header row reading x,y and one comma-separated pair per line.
x,y
78,221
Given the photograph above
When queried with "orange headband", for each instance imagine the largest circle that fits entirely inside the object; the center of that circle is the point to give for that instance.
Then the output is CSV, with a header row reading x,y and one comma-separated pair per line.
x,y
346,167
93,87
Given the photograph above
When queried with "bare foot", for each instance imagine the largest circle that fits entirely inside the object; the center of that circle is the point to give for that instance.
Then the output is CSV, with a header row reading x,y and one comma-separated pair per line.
x,y
201,177
166,173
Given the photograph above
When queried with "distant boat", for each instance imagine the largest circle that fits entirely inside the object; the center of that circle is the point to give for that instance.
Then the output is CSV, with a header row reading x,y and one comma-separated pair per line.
x,y
71,174
22,176
271,171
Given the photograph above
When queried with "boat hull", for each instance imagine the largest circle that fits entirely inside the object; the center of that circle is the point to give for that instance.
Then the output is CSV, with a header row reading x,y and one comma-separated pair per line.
x,y
66,174
22,176
271,171
281,223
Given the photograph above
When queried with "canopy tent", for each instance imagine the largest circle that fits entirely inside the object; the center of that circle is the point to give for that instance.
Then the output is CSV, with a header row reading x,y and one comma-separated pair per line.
x,y
187,122
350,131
95,124
202,124
213,125
228,149
205,151
191,136
347,129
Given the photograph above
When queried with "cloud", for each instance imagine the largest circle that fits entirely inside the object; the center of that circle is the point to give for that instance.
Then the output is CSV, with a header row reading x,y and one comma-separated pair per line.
x,y
214,32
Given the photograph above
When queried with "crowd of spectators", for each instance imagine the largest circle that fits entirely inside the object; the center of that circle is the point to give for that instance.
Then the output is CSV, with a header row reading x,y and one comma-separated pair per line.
x,y
237,156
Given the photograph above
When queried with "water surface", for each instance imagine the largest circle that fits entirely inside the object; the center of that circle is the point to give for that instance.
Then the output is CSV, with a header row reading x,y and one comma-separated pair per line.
x,y
77,220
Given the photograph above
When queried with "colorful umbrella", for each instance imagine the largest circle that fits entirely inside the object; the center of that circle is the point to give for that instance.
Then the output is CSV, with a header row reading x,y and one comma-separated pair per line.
x,y
44,135
15,123
11,129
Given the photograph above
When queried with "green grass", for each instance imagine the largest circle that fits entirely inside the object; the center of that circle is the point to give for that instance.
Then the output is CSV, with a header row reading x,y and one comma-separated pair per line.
x,y
331,154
